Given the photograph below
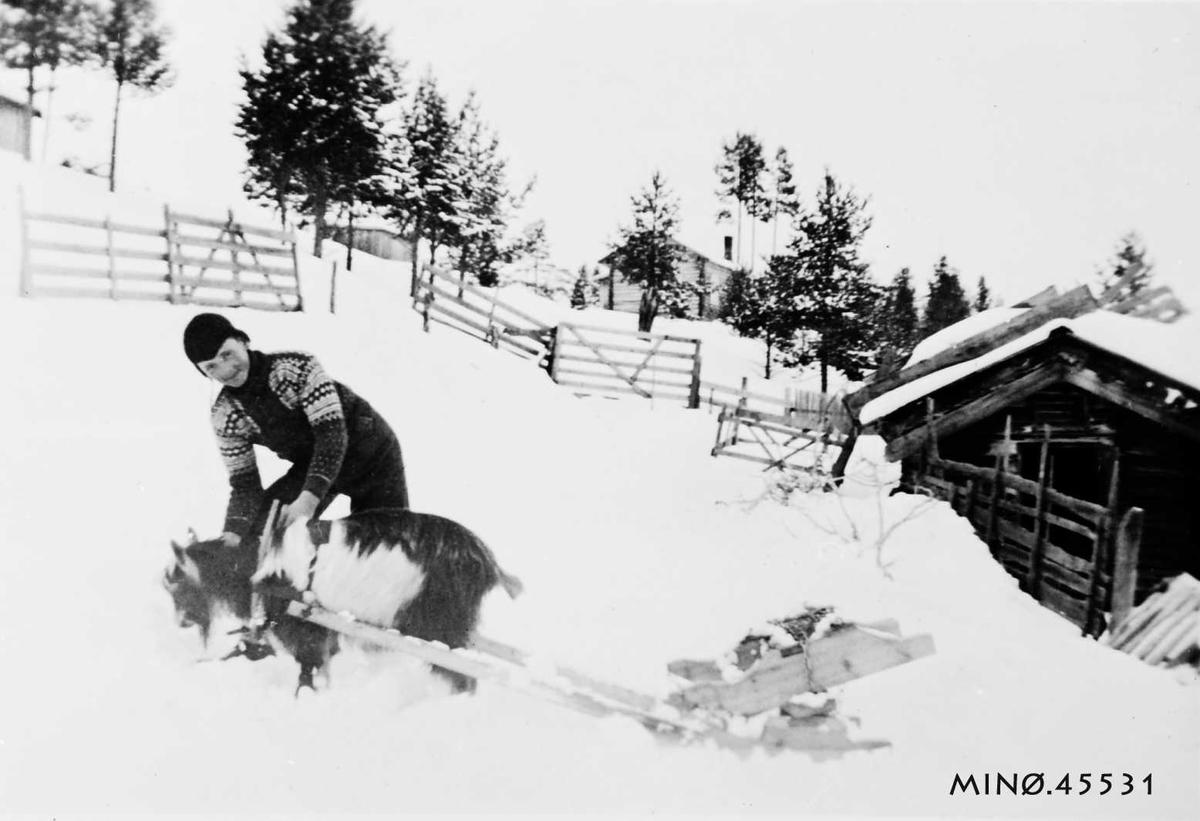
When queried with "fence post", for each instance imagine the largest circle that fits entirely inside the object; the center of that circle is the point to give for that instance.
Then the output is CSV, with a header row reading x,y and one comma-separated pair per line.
x,y
172,275
296,274
231,229
1125,566
555,350
1033,579
694,394
26,286
333,289
1106,535
108,253
997,486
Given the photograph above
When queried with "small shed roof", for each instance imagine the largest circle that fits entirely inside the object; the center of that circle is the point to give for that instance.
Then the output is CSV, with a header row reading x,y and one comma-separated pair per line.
x,y
1156,346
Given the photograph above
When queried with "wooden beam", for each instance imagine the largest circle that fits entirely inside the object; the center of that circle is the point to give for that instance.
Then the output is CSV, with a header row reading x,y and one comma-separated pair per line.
x,y
965,415
1092,382
1125,564
1071,304
845,655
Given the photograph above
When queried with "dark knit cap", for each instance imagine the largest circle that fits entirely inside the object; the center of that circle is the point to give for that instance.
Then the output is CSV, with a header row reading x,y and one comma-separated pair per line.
x,y
205,335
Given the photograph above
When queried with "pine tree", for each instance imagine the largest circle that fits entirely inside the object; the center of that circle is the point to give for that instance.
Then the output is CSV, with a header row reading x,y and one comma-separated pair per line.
x,y
646,253
740,179
36,34
735,291
898,323
131,46
983,296
1130,256
312,117
834,298
947,303
425,172
766,310
784,200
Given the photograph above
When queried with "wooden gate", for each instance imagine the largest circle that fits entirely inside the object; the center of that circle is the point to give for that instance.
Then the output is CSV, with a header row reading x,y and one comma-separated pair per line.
x,y
211,262
595,359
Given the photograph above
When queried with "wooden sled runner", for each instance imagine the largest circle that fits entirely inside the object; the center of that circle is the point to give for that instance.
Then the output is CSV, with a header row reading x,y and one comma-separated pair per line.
x,y
702,711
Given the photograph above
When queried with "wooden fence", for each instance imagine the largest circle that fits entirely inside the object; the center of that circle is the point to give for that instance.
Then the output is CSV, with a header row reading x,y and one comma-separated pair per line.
x,y
594,359
800,429
1076,557
441,297
72,256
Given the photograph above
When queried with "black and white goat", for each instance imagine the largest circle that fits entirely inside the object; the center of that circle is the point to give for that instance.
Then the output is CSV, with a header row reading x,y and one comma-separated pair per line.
x,y
421,574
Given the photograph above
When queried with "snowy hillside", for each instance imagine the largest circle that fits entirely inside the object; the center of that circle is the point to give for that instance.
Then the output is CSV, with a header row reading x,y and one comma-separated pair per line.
x,y
635,546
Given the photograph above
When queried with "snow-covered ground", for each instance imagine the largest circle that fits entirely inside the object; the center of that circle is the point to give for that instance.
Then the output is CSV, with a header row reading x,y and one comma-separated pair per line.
x,y
636,548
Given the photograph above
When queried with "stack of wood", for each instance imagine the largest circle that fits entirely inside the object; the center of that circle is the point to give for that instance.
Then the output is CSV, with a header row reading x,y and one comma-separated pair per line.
x,y
772,675
1164,630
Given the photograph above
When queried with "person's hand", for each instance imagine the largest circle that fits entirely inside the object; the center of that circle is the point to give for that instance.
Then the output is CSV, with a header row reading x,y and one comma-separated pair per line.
x,y
230,539
303,509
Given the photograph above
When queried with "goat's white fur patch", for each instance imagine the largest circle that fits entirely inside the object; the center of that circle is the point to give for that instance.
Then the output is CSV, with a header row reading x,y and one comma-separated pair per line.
x,y
374,587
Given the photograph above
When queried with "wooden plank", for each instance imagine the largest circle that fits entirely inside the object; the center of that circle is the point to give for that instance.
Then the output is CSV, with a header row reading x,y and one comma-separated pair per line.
x,y
225,245
594,387
655,369
481,330
222,265
191,299
650,383
1070,608
273,233
90,273
624,349
483,293
441,295
41,291
967,414
600,355
1092,382
198,283
845,655
1078,506
1128,540
75,248
84,222
689,340
1074,303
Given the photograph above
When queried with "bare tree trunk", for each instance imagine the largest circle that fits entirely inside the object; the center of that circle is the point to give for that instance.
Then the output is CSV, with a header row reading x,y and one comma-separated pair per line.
x,y
349,236
647,309
320,204
112,156
46,118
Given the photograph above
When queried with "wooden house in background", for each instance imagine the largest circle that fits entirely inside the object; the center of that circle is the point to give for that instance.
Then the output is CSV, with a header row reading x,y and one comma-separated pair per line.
x,y
1046,429
617,294
16,126
375,239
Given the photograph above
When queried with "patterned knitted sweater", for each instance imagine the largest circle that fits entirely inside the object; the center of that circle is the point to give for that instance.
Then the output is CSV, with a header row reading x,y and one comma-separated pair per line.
x,y
289,405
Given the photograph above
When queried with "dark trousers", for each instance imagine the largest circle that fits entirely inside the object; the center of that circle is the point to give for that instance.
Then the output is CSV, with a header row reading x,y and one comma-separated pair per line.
x,y
372,476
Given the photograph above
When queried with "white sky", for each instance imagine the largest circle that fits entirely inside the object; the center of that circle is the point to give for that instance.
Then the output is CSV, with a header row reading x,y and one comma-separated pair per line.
x,y
1020,140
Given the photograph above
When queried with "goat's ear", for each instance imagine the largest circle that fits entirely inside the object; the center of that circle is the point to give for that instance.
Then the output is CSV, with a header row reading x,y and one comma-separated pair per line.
x,y
179,551
192,537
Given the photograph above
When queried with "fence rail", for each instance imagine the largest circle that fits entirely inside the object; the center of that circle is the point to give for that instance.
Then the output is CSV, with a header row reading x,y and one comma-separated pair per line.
x,y
595,359
1074,556
64,255
441,297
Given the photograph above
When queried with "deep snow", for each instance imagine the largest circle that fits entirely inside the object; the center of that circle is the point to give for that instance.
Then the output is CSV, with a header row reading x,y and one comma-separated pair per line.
x,y
636,548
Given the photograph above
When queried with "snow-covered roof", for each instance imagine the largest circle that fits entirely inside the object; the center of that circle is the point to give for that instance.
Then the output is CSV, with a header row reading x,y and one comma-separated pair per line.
x,y
1160,347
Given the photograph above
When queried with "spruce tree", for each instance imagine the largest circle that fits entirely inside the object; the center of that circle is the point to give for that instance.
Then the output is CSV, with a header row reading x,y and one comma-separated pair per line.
x,y
947,302
131,45
834,298
1129,256
425,172
49,34
312,117
582,291
898,323
646,252
740,181
983,296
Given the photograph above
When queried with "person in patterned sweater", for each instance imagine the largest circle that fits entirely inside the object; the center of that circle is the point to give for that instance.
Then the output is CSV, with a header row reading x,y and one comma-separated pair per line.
x,y
335,441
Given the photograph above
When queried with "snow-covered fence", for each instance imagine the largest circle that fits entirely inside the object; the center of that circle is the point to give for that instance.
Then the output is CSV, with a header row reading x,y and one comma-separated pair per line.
x,y
1076,557
441,297
75,256
594,359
